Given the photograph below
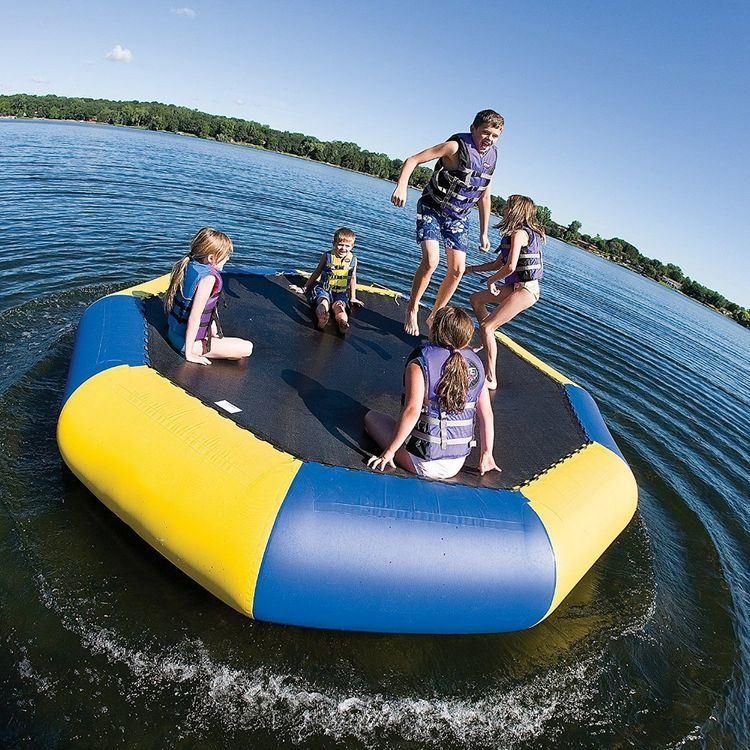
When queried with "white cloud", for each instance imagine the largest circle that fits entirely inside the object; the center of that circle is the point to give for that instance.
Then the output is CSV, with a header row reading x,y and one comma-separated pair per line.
x,y
38,79
118,53
184,12
240,102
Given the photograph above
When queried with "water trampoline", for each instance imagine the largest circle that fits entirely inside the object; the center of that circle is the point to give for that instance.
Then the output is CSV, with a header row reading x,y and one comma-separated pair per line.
x,y
251,476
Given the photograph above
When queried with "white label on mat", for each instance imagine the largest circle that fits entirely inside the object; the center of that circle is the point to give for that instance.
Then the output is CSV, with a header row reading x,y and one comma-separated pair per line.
x,y
231,408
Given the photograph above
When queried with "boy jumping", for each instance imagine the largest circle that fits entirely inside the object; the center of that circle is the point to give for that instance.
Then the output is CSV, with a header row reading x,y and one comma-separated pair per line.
x,y
461,180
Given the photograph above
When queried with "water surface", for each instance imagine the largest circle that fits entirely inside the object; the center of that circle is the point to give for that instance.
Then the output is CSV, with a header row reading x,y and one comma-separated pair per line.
x,y
105,643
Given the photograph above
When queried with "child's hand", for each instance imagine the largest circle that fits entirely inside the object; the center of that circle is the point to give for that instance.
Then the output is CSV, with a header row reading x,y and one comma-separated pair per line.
x,y
356,303
487,463
399,196
297,289
379,463
484,243
197,359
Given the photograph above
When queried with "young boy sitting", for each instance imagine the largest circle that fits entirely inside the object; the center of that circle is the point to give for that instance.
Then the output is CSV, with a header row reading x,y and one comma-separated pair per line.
x,y
337,272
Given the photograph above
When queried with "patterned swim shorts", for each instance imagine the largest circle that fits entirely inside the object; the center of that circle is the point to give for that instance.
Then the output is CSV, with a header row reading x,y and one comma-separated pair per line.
x,y
318,294
432,224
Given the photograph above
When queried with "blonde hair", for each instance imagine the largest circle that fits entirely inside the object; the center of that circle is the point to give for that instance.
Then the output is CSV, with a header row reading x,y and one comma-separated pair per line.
x,y
207,241
344,233
488,117
453,329
519,213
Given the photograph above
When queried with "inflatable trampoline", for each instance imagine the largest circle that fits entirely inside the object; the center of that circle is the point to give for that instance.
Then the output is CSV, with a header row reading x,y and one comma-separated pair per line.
x,y
251,476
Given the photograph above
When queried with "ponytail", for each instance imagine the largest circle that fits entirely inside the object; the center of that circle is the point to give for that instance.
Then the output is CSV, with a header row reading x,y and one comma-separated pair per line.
x,y
175,281
206,242
453,329
453,387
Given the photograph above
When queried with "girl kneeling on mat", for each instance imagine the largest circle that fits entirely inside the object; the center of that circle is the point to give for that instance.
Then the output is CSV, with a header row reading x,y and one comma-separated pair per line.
x,y
192,297
444,390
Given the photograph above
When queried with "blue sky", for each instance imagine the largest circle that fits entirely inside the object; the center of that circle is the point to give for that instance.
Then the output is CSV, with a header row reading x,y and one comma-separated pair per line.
x,y
631,117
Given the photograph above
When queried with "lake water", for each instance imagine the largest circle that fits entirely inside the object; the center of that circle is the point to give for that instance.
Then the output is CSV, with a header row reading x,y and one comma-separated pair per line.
x,y
104,643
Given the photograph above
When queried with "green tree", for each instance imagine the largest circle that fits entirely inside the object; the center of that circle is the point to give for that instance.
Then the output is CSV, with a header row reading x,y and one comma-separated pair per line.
x,y
571,233
544,216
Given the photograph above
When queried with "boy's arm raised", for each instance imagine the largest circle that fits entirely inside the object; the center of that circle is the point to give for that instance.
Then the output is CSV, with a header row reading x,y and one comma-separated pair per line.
x,y
445,150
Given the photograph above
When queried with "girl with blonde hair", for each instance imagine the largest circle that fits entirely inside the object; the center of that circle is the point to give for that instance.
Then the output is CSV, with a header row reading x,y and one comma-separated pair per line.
x,y
192,298
514,285
444,391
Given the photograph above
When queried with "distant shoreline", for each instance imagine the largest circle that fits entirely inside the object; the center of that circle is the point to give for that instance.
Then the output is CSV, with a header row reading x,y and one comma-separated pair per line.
x,y
168,118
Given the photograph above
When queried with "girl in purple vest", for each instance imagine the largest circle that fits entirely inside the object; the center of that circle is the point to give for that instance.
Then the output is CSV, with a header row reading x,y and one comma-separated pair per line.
x,y
191,300
514,285
444,391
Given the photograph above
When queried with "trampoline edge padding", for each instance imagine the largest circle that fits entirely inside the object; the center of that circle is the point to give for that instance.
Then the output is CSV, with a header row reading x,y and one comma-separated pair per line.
x,y
112,332
299,542
196,487
360,551
584,503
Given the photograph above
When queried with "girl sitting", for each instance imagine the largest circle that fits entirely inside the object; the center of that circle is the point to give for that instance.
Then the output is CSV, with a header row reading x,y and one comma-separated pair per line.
x,y
514,286
192,297
444,389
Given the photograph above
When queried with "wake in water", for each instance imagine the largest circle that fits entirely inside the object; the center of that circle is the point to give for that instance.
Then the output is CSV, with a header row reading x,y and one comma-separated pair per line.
x,y
240,700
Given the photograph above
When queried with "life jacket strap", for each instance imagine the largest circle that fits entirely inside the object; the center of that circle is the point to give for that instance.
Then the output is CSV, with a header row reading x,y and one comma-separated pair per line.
x,y
438,441
453,422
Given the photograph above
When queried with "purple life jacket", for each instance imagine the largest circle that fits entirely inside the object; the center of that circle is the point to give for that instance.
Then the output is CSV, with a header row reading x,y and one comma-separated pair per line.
x,y
455,192
439,434
183,301
530,266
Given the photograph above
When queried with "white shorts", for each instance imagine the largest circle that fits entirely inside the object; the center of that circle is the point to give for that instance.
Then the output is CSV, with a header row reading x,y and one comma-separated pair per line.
x,y
532,287
441,468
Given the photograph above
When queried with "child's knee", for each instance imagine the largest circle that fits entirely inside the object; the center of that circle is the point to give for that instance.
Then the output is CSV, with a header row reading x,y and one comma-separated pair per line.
x,y
488,327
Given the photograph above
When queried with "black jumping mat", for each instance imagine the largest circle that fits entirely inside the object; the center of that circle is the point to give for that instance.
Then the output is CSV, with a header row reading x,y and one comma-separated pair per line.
x,y
307,391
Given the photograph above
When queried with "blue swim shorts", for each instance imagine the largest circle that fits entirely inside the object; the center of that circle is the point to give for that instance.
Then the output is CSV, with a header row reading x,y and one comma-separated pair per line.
x,y
318,294
432,224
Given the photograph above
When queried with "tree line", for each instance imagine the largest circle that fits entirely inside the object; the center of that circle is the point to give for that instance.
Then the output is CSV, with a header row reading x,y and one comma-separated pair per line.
x,y
171,118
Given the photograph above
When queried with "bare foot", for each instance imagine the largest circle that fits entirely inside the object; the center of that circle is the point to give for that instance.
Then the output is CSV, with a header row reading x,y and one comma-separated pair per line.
x,y
491,383
343,324
411,323
323,319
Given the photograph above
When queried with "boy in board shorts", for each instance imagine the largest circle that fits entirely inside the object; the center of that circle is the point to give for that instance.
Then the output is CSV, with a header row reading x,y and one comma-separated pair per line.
x,y
461,180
